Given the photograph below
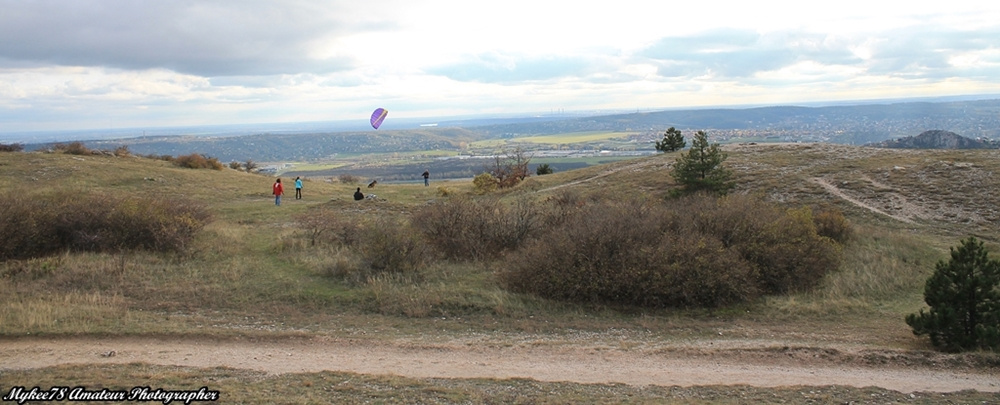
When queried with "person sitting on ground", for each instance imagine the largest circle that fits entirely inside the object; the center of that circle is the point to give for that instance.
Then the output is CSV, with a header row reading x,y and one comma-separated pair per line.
x,y
358,196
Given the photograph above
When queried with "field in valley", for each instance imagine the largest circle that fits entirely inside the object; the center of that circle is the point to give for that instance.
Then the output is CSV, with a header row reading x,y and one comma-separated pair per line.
x,y
254,310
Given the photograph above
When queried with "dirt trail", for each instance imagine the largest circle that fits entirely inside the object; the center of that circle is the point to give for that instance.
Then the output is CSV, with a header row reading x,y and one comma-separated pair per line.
x,y
839,193
634,166
573,363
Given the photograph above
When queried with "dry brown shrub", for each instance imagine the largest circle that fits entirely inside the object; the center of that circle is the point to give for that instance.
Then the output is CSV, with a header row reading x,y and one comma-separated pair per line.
x,y
13,147
196,161
696,251
40,225
74,148
349,179
370,247
477,228
831,223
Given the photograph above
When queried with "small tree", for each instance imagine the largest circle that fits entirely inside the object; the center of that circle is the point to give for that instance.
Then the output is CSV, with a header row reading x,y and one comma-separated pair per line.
x,y
510,169
964,301
250,166
543,169
672,141
701,167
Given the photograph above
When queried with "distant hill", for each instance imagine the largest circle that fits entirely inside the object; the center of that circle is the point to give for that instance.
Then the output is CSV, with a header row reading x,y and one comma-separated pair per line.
x,y
937,139
843,124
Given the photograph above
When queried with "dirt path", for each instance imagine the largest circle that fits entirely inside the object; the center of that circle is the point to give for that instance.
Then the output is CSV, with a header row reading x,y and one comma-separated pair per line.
x,y
583,364
839,193
634,166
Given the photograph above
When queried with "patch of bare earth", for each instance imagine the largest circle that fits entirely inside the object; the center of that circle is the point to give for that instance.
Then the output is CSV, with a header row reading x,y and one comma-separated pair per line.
x,y
689,365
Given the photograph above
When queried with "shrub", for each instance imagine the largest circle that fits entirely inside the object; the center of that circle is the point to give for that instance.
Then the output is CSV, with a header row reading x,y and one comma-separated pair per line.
x,y
13,147
122,151
196,161
325,226
831,223
477,228
485,183
700,251
391,246
165,158
782,245
73,148
349,179
543,169
36,226
235,165
369,248
964,301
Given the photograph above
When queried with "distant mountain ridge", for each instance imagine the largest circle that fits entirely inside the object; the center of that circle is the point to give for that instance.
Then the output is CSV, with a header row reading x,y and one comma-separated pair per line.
x,y
937,139
845,124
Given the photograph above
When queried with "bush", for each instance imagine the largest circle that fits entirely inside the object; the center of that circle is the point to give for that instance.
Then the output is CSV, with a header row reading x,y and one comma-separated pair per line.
x,y
165,158
391,246
122,151
73,148
369,248
348,179
700,251
36,226
964,301
325,226
485,183
831,223
235,165
477,228
196,161
14,147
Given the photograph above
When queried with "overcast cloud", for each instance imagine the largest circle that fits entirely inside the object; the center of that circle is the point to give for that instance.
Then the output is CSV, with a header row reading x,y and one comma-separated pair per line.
x,y
76,64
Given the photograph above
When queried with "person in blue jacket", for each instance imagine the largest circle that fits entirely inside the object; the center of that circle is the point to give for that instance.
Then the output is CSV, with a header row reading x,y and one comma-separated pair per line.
x,y
298,188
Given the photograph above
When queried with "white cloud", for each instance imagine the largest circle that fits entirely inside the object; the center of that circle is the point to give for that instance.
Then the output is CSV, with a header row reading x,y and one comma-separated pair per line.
x,y
72,63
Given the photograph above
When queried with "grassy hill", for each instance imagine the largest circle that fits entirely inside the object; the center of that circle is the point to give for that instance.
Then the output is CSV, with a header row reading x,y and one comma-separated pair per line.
x,y
252,271
907,206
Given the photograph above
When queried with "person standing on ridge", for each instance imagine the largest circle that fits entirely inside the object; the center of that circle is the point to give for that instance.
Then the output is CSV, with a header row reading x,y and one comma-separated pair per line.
x,y
427,174
298,188
278,191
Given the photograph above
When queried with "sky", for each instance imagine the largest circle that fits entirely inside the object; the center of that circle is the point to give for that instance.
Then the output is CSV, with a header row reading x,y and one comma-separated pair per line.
x,y
93,64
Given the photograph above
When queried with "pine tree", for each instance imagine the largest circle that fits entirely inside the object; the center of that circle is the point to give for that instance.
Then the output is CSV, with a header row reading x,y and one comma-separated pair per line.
x,y
701,167
672,141
964,300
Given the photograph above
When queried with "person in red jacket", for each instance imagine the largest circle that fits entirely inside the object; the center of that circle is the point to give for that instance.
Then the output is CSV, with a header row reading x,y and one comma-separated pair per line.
x,y
278,191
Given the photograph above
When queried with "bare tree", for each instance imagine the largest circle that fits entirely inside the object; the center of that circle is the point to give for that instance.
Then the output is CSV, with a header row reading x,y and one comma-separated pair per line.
x,y
510,168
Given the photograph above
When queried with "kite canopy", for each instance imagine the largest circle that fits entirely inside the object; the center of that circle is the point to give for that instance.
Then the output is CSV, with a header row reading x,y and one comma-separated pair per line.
x,y
378,116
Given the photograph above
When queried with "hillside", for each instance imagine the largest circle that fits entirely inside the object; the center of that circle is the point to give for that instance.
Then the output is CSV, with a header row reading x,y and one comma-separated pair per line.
x,y
252,291
937,139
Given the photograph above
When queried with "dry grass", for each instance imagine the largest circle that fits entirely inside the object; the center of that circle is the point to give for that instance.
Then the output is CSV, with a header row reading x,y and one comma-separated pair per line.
x,y
246,387
253,269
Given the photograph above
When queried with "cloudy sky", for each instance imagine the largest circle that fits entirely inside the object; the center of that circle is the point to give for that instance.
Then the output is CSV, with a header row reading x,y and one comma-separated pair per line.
x,y
91,64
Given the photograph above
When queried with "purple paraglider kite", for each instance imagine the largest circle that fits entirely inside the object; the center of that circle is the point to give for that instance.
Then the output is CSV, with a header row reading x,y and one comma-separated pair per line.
x,y
378,116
